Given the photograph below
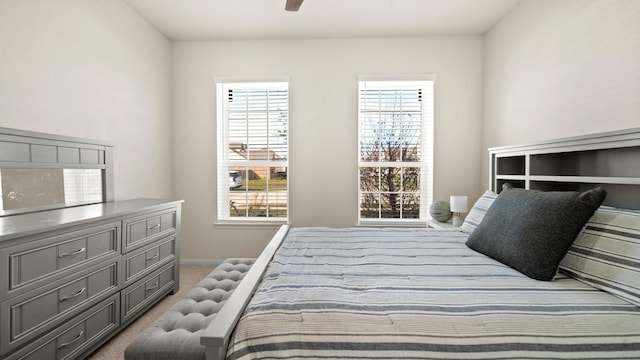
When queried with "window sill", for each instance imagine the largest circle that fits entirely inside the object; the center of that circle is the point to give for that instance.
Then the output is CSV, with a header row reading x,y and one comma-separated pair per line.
x,y
403,224
267,224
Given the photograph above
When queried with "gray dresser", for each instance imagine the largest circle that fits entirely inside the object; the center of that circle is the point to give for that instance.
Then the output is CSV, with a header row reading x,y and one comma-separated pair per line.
x,y
72,277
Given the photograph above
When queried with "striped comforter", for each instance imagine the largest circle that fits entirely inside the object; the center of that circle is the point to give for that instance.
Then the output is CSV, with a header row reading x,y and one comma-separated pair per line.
x,y
421,294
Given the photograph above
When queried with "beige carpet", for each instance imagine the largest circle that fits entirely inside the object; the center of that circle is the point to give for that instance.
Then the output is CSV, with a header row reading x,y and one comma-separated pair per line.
x,y
190,275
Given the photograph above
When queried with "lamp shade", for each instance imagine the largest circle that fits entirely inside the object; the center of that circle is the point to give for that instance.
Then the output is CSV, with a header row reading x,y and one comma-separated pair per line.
x,y
458,203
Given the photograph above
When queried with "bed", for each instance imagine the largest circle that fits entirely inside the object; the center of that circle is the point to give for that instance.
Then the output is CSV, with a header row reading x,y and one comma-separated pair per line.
x,y
382,293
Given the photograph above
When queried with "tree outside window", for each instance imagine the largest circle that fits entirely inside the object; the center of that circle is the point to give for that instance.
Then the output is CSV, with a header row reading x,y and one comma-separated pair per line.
x,y
393,151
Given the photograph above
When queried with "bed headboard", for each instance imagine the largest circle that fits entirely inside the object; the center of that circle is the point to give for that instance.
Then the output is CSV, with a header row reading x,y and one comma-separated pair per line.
x,y
610,160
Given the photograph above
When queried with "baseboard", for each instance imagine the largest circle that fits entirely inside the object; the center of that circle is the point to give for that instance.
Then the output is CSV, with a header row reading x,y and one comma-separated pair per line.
x,y
212,262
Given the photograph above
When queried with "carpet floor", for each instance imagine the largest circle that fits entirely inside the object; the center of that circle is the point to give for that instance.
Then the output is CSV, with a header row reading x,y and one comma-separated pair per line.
x,y
190,275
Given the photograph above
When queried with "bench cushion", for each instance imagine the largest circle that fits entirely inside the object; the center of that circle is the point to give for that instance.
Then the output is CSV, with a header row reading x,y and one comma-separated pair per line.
x,y
176,334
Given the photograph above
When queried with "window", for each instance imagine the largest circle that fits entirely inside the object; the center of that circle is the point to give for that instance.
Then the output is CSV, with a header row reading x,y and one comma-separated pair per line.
x,y
395,150
253,150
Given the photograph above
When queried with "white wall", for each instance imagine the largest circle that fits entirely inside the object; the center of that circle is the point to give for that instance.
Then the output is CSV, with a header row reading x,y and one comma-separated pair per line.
x,y
91,69
96,69
561,68
323,125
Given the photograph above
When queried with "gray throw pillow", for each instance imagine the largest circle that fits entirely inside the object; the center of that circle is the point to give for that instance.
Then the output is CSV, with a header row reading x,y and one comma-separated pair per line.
x,y
531,231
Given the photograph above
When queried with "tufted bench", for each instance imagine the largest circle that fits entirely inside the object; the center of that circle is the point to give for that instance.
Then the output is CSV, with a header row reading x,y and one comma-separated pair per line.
x,y
176,334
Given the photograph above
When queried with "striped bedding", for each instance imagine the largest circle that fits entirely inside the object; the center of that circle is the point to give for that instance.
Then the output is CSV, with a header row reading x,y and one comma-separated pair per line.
x,y
421,294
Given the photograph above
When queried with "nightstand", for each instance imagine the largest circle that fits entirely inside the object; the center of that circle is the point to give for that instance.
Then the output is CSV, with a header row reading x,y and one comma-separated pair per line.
x,y
441,225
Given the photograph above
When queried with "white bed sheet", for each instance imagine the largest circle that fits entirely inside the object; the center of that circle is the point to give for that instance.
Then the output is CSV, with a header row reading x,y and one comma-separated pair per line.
x,y
421,294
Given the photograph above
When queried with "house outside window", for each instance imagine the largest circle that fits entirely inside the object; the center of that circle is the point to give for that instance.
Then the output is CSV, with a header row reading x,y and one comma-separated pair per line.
x,y
395,167
253,151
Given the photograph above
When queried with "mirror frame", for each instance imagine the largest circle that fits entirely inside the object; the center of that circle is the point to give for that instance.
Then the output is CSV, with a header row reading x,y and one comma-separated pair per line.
x,y
20,149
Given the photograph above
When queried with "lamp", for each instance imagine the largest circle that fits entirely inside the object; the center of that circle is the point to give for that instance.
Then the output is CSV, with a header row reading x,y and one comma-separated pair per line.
x,y
458,206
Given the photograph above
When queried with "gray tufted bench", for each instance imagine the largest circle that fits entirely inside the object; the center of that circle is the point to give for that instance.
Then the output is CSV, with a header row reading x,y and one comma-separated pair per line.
x,y
176,334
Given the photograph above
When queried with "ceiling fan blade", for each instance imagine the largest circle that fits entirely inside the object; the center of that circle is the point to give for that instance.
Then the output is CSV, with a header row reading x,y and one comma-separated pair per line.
x,y
293,5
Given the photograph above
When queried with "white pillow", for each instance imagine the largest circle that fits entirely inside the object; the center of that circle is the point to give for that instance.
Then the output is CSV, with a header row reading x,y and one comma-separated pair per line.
x,y
476,214
606,253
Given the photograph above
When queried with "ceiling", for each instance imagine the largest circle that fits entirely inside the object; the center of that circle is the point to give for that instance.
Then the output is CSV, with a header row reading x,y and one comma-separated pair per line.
x,y
267,19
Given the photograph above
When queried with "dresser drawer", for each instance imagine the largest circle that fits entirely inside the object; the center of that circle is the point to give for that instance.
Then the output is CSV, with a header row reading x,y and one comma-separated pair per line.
x,y
141,294
30,315
147,228
75,336
144,260
38,262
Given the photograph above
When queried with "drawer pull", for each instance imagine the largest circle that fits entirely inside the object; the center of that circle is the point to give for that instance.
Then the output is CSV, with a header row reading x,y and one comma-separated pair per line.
x,y
153,227
72,341
79,251
152,286
80,292
153,257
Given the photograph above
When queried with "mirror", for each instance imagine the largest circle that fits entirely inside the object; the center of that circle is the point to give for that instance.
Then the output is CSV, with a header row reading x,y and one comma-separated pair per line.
x,y
25,188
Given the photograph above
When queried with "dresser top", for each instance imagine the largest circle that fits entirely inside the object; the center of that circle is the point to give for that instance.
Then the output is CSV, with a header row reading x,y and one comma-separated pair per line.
x,y
31,223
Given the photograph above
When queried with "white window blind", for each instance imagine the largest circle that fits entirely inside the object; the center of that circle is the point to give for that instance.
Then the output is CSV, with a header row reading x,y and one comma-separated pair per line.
x,y
395,150
82,186
253,151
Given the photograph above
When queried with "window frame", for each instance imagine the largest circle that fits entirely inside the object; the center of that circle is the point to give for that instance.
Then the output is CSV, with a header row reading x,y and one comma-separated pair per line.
x,y
223,161
427,82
